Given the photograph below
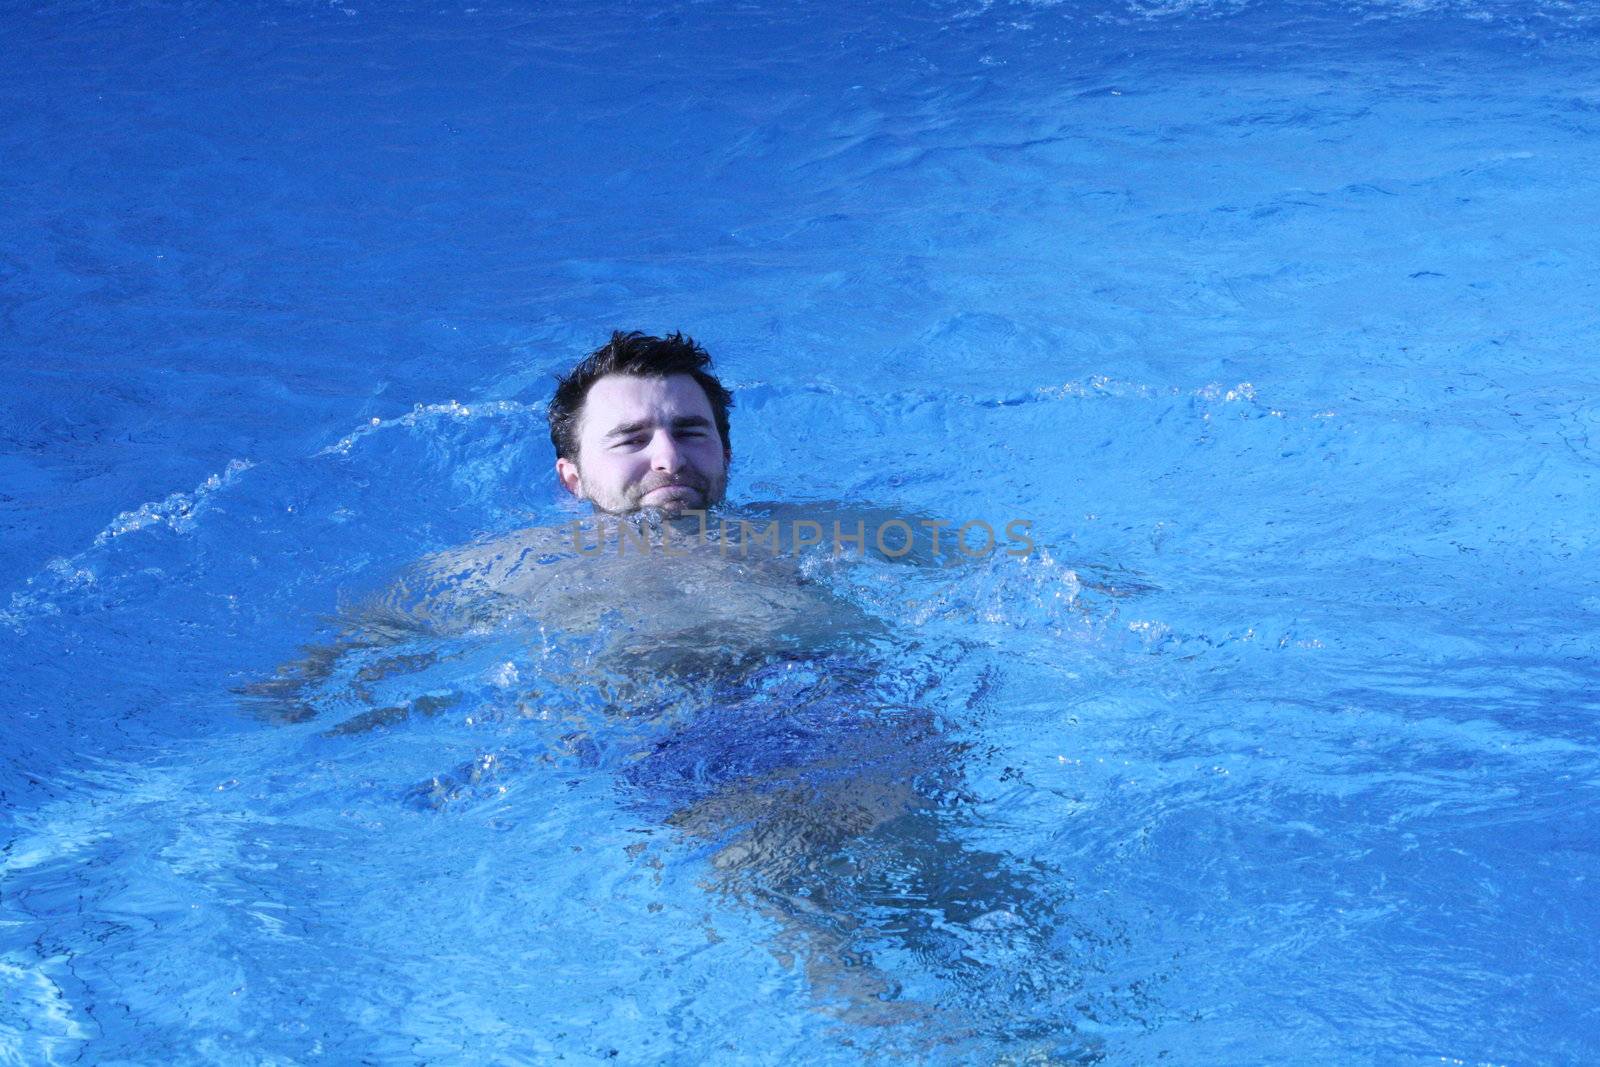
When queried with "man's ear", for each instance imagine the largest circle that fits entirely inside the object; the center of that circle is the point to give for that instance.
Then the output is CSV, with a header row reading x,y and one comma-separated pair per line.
x,y
567,471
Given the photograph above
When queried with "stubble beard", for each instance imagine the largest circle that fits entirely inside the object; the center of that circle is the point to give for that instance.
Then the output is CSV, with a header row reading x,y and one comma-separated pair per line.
x,y
699,499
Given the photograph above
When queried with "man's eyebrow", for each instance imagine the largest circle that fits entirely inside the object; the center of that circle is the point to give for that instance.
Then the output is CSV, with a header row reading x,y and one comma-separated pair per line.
x,y
629,428
682,422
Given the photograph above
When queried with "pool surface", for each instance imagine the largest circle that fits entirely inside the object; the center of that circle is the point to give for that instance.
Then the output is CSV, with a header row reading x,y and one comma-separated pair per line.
x,y
1276,320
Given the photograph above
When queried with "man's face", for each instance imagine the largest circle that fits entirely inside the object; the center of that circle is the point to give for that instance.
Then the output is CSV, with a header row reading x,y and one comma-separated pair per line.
x,y
647,442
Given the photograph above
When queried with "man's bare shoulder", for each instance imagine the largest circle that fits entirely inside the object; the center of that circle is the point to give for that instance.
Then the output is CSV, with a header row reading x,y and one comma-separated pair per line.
x,y
458,585
501,554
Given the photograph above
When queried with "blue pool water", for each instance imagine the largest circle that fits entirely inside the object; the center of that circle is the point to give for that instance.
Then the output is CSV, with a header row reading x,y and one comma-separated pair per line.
x,y
1276,319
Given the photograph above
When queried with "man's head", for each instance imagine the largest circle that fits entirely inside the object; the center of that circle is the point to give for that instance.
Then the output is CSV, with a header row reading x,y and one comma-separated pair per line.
x,y
642,423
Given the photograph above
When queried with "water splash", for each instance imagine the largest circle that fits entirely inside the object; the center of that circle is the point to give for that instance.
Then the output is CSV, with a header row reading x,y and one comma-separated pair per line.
x,y
178,512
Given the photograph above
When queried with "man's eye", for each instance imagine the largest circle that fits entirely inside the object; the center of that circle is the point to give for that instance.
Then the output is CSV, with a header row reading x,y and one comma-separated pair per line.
x,y
630,442
691,433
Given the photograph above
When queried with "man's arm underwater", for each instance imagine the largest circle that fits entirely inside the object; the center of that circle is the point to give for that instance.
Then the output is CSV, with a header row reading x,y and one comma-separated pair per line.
x,y
400,629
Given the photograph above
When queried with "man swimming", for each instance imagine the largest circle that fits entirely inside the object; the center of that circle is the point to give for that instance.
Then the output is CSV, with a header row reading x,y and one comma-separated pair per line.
x,y
763,714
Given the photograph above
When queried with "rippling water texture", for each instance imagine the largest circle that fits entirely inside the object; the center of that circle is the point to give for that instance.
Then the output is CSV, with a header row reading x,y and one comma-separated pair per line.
x,y
1276,319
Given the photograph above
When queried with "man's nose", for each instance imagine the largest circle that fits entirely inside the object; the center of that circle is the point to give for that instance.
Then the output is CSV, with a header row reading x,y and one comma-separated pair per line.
x,y
664,454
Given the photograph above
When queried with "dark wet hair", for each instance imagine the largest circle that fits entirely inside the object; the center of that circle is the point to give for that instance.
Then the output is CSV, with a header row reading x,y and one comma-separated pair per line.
x,y
640,355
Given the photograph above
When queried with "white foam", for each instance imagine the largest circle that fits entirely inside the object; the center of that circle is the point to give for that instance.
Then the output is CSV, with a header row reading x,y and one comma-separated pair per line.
x,y
428,412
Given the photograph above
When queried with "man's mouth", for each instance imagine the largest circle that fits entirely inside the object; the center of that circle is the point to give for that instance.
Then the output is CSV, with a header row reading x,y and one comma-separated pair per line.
x,y
673,491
